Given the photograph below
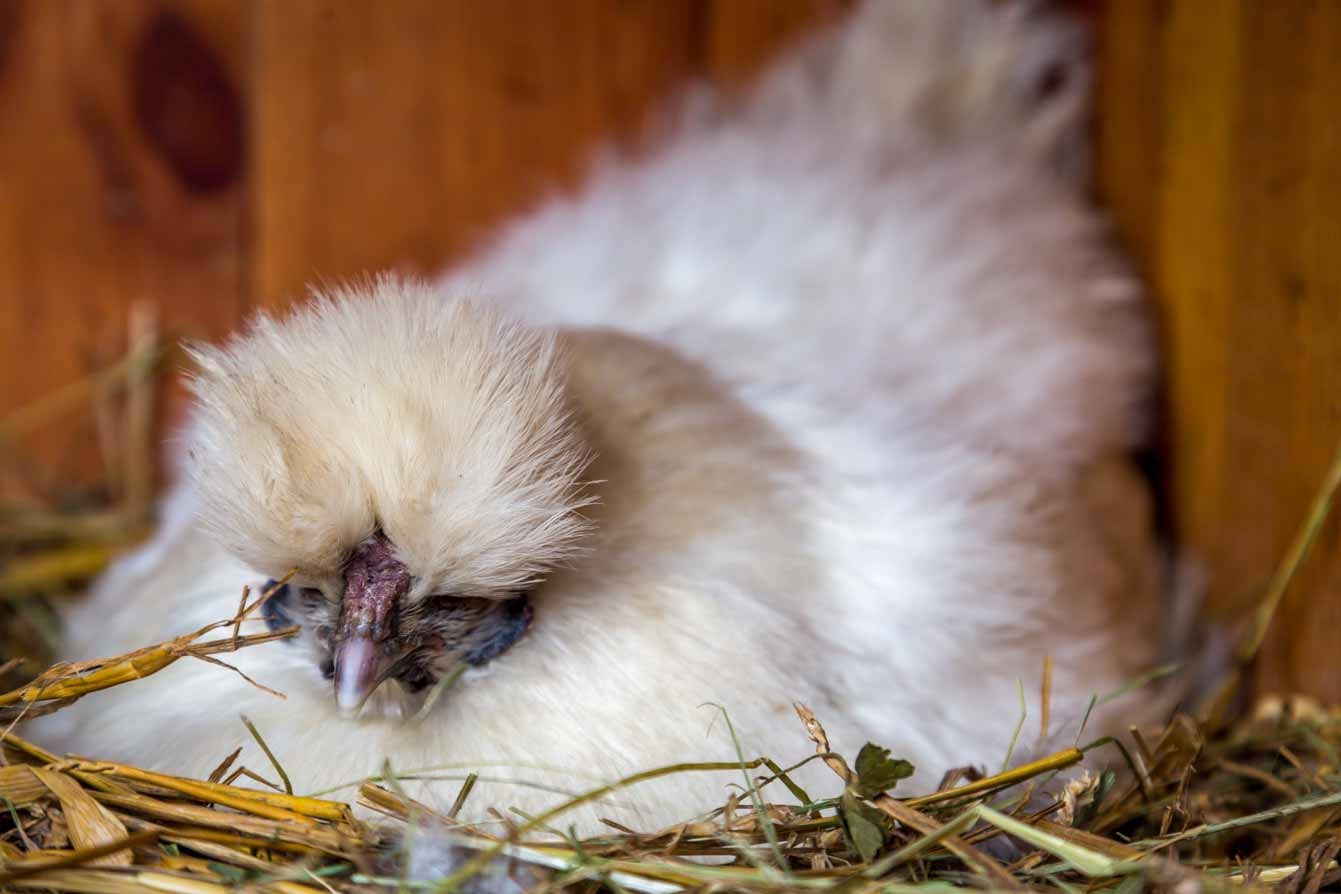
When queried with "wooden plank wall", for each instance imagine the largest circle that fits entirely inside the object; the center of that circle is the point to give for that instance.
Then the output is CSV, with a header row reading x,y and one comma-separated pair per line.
x,y
214,156
1220,132
123,176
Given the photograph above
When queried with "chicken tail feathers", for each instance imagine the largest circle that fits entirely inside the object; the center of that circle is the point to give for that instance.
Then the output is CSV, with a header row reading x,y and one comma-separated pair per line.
x,y
1013,75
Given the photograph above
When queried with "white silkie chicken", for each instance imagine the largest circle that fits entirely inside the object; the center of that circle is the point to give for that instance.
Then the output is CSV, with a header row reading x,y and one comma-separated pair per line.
x,y
827,400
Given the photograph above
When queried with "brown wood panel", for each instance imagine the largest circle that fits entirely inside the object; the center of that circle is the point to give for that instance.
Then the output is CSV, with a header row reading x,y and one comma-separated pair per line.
x,y
399,133
208,155
1221,155
122,178
743,34
402,133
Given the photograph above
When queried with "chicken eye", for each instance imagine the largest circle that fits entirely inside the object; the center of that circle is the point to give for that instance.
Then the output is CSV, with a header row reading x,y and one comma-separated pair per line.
x,y
509,622
278,609
275,609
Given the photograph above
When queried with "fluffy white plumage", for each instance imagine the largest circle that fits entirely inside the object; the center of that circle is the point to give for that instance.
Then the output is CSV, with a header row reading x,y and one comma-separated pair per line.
x,y
856,374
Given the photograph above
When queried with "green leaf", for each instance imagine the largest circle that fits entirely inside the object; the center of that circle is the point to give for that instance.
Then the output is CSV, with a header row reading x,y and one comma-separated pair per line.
x,y
864,826
877,772
232,873
1083,860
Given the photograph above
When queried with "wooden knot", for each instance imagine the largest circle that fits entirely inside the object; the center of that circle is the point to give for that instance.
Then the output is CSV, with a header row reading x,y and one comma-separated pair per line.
x,y
186,106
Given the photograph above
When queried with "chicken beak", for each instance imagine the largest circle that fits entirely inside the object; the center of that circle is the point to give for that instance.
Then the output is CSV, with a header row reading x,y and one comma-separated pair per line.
x,y
366,646
360,667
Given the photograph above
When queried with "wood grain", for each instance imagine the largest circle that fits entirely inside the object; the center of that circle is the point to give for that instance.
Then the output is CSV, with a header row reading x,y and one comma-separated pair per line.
x,y
400,133
214,155
1221,155
743,34
122,174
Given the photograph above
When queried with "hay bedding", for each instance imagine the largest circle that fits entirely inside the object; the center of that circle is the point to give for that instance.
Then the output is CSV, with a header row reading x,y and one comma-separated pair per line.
x,y
1233,800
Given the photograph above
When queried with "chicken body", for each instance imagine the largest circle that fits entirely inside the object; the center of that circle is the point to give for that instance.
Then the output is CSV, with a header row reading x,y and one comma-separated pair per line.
x,y
829,400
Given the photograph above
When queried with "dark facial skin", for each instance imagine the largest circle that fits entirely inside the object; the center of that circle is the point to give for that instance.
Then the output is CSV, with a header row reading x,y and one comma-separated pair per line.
x,y
422,640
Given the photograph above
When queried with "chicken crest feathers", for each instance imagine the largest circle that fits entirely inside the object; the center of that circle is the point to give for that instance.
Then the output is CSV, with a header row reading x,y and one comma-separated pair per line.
x,y
441,421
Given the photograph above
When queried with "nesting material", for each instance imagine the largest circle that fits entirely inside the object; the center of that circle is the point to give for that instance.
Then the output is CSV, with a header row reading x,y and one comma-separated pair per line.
x,y
1257,802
